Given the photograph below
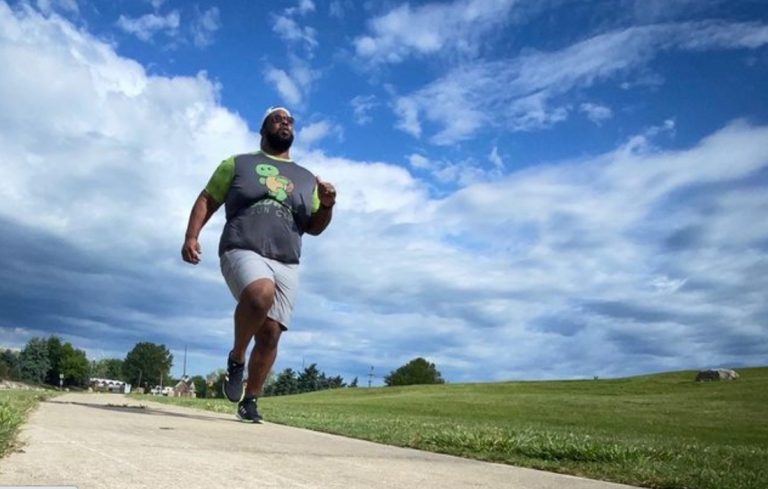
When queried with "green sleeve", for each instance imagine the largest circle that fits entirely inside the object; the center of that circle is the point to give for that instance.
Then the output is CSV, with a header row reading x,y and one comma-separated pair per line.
x,y
315,200
218,185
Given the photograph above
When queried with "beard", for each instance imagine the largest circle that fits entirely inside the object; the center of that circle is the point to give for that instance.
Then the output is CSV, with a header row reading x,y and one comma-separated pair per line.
x,y
278,142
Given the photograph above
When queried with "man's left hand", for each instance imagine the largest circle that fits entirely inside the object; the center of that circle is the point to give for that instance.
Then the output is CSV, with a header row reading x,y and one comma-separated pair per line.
x,y
326,192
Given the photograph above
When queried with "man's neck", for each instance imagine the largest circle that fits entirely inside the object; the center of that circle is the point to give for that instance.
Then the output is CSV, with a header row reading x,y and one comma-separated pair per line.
x,y
285,155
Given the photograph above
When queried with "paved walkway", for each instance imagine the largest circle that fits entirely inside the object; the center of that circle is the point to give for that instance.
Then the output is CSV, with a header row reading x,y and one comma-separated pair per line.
x,y
109,441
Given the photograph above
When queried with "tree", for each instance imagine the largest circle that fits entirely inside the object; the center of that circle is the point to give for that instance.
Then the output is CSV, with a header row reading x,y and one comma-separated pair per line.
x,y
107,368
309,380
353,384
9,362
333,382
213,382
114,368
286,383
73,364
6,371
417,371
54,360
201,386
67,361
33,361
146,363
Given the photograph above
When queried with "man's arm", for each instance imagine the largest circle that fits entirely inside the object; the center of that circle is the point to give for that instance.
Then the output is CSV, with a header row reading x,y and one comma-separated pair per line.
x,y
202,210
322,217
320,220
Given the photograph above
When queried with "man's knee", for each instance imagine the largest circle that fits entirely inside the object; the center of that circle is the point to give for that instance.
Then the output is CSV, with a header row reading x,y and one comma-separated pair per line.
x,y
259,295
269,334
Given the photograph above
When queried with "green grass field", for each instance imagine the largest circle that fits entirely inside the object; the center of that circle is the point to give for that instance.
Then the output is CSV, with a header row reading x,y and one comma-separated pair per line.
x,y
14,406
660,431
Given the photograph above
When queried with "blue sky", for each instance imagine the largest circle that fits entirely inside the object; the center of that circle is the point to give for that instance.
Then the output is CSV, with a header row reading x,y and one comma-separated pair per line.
x,y
527,189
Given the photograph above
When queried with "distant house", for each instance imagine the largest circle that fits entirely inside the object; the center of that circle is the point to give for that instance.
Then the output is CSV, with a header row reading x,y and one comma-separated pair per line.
x,y
162,391
184,388
108,385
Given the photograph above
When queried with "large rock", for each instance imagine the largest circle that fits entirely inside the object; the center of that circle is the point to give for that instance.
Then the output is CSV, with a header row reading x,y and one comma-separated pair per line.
x,y
716,374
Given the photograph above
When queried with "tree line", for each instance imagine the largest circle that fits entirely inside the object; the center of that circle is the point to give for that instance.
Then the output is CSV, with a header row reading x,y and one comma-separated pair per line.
x,y
46,361
52,361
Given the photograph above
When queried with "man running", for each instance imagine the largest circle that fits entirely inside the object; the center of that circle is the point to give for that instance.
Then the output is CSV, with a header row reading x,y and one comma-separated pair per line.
x,y
270,203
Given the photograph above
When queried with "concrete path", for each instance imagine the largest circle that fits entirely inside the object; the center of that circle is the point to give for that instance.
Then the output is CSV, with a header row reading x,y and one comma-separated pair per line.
x,y
109,441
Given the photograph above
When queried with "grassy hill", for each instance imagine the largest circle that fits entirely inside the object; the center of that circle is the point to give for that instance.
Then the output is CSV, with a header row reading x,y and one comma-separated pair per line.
x,y
661,431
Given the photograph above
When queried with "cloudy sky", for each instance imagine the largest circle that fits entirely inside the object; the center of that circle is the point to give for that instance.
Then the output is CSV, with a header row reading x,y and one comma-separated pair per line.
x,y
528,189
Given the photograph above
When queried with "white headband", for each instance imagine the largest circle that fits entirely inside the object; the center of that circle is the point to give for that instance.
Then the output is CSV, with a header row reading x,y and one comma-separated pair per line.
x,y
274,109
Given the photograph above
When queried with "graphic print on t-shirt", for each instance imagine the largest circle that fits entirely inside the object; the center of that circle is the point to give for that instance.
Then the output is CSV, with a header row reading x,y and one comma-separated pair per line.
x,y
277,185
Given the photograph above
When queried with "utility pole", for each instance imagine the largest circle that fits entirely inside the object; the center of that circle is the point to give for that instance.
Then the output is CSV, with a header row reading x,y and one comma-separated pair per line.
x,y
184,375
370,376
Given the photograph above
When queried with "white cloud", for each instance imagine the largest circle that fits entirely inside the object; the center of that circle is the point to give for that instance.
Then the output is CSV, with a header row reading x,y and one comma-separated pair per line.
x,y
336,9
306,6
565,268
643,142
455,27
316,131
292,85
110,127
295,83
520,92
146,26
288,29
646,11
303,8
420,162
595,112
50,6
205,26
496,159
408,111
452,174
285,86
113,133
302,72
362,105
666,285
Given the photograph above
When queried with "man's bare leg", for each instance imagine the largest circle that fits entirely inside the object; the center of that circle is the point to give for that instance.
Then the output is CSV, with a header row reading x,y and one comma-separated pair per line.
x,y
263,356
250,314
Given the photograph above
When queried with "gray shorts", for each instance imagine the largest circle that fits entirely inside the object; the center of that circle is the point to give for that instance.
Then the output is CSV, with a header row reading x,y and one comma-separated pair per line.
x,y
242,267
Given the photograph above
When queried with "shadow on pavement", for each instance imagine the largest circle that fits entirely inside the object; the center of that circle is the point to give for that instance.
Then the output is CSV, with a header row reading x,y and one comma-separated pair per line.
x,y
142,409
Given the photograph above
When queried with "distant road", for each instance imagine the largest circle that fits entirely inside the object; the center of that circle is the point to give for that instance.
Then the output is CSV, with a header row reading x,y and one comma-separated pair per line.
x,y
97,441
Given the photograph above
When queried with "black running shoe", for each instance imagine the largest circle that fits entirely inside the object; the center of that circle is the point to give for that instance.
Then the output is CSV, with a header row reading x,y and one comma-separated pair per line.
x,y
247,412
233,380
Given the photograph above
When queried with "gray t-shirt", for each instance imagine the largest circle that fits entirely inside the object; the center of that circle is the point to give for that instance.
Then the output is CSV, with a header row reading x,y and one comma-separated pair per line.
x,y
268,203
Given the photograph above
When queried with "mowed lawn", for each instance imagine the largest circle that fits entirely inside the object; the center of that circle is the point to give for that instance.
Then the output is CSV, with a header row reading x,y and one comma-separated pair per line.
x,y
660,431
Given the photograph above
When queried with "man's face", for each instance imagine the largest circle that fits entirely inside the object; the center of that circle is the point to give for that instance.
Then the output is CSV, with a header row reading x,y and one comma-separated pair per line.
x,y
278,130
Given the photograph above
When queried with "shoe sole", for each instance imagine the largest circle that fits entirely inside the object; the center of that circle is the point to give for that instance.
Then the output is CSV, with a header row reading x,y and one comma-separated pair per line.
x,y
244,420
